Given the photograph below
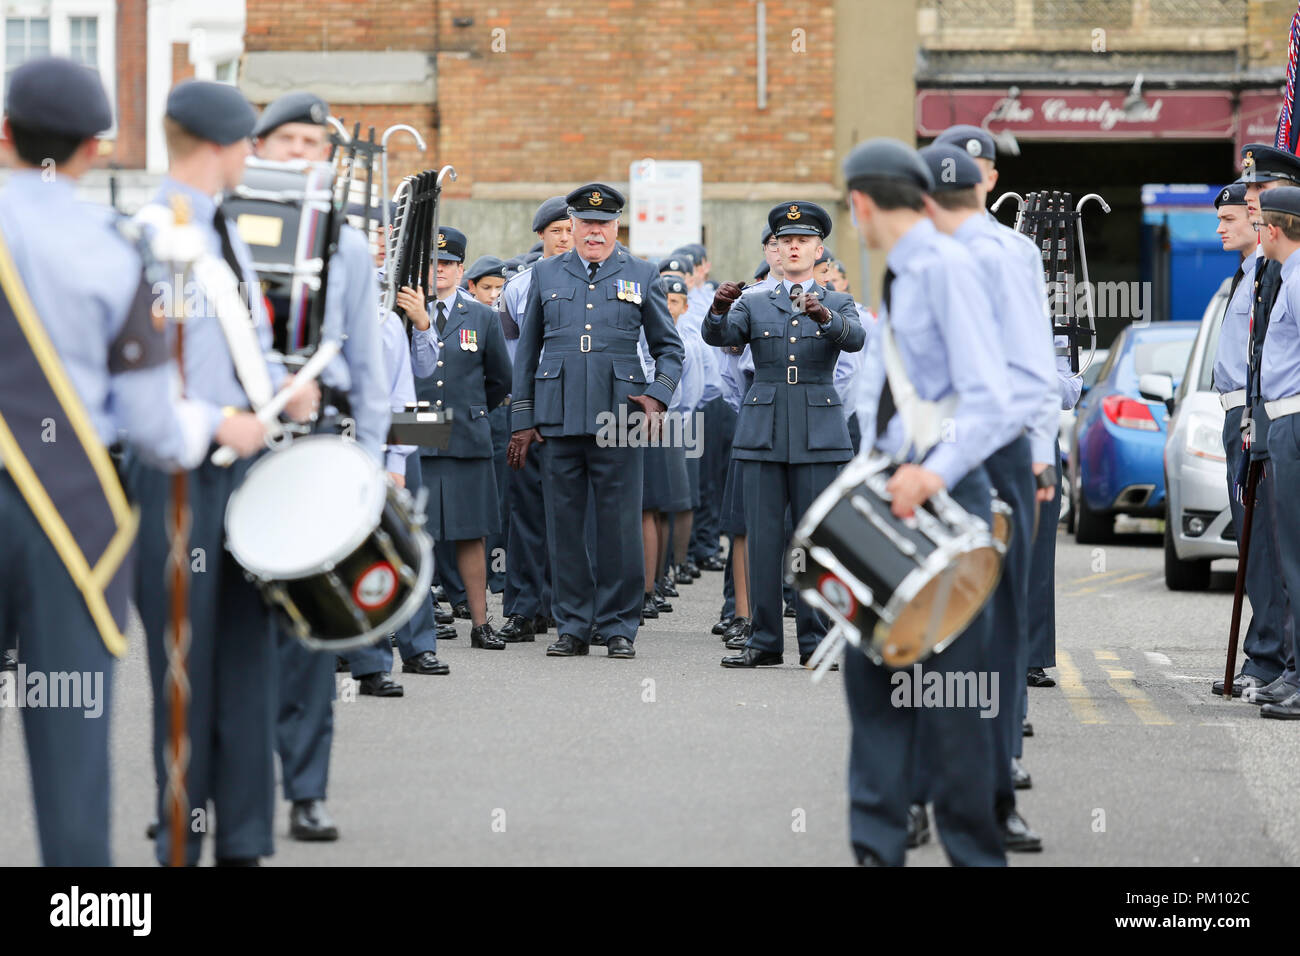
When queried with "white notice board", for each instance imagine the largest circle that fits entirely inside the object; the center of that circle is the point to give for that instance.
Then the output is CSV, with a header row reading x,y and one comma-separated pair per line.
x,y
665,200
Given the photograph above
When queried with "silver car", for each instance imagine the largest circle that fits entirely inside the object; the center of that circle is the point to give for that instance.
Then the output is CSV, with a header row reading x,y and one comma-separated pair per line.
x,y
1198,521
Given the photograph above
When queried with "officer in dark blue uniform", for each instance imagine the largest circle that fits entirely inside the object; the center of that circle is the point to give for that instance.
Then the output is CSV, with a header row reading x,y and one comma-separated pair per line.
x,y
938,315
791,436
588,309
71,282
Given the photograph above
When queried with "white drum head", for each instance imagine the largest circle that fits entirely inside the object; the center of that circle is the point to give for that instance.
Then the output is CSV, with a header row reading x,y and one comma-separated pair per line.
x,y
302,508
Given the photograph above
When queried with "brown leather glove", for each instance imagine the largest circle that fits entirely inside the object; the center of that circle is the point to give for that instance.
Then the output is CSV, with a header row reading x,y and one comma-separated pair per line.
x,y
813,308
727,293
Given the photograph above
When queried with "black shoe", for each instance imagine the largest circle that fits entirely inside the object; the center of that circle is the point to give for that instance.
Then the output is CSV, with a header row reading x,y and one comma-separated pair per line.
x,y
737,625
713,563
380,685
485,637
693,569
237,861
918,826
1026,729
439,594
542,624
341,666
151,831
620,647
1017,835
789,611
461,610
1037,677
1271,693
661,603
518,630
1288,709
649,608
805,658
426,662
309,820
665,587
567,646
1239,684
8,662
722,625
445,632
738,637
1020,778
443,617
750,657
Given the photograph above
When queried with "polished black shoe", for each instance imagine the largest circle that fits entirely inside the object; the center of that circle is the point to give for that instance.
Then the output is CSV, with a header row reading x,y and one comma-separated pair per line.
x,y
309,820
443,617
8,662
341,666
665,587
542,624
1272,693
918,826
426,662
1037,677
713,563
1017,835
151,831
446,632
379,685
461,610
518,630
789,611
1020,778
737,638
737,625
649,608
722,625
750,657
620,647
691,568
485,637
805,658
1288,709
439,593
1026,729
567,646
661,603
1239,685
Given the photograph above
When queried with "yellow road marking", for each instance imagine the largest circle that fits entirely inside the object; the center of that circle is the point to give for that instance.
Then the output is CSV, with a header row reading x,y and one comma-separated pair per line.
x,y
1080,701
1123,580
1097,577
1140,703
1105,655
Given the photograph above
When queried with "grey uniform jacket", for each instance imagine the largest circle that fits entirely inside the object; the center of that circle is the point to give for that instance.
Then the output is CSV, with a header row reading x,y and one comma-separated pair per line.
x,y
792,412
590,335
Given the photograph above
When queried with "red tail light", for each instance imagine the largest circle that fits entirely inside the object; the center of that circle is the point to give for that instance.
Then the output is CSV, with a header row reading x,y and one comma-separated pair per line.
x,y
1129,413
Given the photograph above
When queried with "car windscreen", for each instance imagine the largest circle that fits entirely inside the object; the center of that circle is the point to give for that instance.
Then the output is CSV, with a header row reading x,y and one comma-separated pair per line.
x,y
1205,381
1157,352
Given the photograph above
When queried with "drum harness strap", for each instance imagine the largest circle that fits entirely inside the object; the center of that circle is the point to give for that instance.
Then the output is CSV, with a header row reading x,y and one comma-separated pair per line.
x,y
923,420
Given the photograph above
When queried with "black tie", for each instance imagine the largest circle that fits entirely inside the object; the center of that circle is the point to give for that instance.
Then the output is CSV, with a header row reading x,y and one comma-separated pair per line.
x,y
508,325
795,291
591,270
222,224
1235,280
442,317
885,410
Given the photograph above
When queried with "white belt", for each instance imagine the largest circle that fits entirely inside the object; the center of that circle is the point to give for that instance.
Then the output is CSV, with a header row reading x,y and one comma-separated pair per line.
x,y
1282,407
1231,400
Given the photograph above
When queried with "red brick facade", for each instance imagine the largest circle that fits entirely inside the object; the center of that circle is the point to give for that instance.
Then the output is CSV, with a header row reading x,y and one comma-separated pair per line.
x,y
339,25
132,61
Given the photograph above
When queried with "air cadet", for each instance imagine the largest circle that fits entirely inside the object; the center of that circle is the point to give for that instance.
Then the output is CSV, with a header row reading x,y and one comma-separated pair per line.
x,y
461,346
231,660
1265,168
293,127
1012,272
1268,638
71,281
486,279
790,435
934,304
527,599
588,308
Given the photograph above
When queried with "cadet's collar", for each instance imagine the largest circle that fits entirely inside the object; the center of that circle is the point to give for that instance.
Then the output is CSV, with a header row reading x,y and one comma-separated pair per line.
x,y
202,206
449,300
1291,266
909,244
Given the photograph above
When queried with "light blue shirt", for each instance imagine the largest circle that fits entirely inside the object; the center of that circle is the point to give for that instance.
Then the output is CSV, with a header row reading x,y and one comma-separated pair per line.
x,y
401,384
1233,350
948,340
1013,275
690,388
1068,385
733,378
1279,366
82,278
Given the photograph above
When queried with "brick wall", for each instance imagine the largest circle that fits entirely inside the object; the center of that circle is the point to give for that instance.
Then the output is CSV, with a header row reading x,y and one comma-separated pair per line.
x,y
339,25
182,68
129,150
1268,24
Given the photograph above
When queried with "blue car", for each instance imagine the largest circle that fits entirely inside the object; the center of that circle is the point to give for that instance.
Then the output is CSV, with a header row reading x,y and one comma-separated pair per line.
x,y
1119,437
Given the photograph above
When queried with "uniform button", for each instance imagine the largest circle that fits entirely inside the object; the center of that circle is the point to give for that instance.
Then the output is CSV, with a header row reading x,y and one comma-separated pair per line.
x,y
588,326
791,358
439,363
828,401
440,384
767,333
438,402
590,306
793,339
818,332
592,287
552,295
629,378
794,321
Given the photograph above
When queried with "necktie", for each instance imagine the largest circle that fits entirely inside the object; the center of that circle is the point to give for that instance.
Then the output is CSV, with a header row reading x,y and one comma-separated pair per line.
x,y
885,410
442,317
1235,281
509,327
222,225
795,291
591,270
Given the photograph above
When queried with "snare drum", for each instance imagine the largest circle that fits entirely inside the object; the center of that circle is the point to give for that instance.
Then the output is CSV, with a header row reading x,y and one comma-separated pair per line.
x,y
330,543
897,589
282,212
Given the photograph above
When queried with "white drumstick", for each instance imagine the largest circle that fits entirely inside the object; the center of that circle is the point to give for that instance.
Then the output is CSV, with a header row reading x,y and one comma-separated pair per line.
x,y
225,456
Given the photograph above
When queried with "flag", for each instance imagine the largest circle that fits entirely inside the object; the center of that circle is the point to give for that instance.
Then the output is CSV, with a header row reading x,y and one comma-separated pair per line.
x,y
1286,126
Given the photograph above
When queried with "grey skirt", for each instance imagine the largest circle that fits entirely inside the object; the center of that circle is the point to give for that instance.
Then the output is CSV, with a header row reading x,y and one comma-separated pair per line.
x,y
666,487
462,498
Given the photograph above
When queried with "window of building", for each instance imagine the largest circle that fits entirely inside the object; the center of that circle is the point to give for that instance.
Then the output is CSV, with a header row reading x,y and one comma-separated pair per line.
x,y
83,40
81,30
26,38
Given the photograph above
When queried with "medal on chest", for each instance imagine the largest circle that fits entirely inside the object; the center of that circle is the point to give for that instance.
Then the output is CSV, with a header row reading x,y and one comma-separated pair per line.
x,y
628,291
469,340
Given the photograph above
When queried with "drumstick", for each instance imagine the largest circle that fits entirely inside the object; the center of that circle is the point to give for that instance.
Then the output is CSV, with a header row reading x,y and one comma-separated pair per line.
x,y
225,456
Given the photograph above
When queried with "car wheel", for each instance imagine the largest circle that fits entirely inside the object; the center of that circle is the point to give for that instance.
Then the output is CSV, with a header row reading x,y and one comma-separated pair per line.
x,y
1091,527
1183,575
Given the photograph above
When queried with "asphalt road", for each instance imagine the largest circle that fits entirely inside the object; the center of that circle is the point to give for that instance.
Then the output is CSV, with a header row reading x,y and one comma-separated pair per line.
x,y
669,759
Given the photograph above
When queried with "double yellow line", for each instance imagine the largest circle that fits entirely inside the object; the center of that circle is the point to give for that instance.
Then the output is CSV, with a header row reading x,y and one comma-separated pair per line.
x,y
1084,705
1106,579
